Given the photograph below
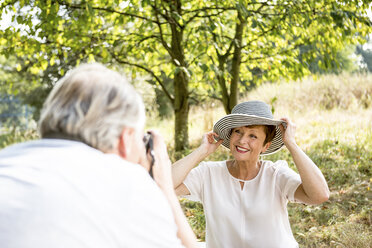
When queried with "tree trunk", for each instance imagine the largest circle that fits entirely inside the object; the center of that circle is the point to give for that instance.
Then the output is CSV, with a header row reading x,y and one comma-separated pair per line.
x,y
235,65
222,82
181,111
181,81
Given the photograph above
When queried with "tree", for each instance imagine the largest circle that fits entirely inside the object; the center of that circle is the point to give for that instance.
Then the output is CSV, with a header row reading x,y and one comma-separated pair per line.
x,y
146,35
199,46
266,41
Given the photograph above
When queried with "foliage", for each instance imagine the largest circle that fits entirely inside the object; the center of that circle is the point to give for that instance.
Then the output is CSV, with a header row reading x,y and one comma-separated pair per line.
x,y
164,106
257,41
13,113
271,40
147,35
345,58
15,135
366,56
18,77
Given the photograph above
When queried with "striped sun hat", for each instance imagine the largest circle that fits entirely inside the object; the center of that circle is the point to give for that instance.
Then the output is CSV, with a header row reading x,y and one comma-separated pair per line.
x,y
247,114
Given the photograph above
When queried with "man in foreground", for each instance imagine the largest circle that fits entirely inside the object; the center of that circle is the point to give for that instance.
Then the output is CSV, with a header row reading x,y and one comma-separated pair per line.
x,y
86,182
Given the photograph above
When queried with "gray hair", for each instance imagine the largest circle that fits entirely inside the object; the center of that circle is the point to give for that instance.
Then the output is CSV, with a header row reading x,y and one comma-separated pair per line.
x,y
92,104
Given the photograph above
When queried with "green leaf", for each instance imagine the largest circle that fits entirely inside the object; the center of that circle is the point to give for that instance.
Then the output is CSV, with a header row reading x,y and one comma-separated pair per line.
x,y
204,67
91,58
19,19
44,64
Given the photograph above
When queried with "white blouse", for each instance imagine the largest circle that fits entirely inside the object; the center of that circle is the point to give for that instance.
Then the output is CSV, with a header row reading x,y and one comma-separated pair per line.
x,y
255,216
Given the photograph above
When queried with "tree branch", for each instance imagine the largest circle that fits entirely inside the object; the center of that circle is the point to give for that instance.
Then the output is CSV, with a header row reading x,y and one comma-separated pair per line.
x,y
162,40
77,6
195,58
5,4
171,98
227,53
168,17
202,16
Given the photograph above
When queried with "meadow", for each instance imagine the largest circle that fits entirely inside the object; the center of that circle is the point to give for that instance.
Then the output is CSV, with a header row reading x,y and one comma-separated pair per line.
x,y
333,115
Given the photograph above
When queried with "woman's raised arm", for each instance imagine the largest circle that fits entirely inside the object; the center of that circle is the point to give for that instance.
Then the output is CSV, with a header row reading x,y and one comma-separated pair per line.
x,y
182,167
314,188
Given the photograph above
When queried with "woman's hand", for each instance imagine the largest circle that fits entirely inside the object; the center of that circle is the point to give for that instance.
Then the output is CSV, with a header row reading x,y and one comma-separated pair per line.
x,y
209,145
182,167
288,132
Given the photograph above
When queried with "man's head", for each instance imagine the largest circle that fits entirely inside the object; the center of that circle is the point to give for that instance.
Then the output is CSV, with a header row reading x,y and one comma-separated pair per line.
x,y
92,104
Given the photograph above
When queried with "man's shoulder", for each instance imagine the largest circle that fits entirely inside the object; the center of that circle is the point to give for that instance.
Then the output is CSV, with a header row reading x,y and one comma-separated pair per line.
x,y
48,158
42,145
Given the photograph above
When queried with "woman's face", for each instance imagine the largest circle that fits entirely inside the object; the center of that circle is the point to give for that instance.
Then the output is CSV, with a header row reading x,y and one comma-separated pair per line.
x,y
247,143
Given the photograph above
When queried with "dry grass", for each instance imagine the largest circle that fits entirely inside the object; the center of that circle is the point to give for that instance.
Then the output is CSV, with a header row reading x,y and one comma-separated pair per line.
x,y
347,92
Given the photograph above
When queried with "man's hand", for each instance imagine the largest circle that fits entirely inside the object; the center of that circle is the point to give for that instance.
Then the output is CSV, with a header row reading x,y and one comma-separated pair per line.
x,y
162,167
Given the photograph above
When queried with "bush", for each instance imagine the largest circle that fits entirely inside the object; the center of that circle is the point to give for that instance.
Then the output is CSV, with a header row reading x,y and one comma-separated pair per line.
x,y
15,136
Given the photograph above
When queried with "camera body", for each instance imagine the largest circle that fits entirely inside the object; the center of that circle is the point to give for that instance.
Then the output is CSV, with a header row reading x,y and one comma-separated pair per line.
x,y
149,145
148,140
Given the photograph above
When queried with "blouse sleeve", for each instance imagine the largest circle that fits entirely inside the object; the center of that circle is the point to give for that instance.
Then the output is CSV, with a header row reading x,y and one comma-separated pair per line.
x,y
287,180
194,182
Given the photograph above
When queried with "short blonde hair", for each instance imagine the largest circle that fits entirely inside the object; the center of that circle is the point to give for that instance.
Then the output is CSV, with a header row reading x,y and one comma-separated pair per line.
x,y
92,104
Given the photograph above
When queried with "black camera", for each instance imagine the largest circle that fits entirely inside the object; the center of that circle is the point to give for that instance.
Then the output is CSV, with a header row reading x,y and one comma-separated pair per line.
x,y
149,145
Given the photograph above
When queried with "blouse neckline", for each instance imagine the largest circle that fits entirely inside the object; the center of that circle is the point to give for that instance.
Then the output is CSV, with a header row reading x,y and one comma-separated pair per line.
x,y
245,181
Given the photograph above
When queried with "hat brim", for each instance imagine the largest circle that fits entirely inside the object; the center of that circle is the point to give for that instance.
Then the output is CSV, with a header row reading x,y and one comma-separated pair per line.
x,y
223,128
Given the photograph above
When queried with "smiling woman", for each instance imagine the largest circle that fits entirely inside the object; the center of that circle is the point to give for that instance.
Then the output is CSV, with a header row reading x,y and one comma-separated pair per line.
x,y
246,144
250,139
246,198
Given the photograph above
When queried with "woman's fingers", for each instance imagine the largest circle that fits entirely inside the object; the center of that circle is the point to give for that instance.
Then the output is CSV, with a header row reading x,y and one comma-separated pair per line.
x,y
209,143
288,130
212,137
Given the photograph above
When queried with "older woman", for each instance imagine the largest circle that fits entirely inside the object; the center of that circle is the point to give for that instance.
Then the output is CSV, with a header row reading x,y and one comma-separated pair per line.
x,y
245,199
